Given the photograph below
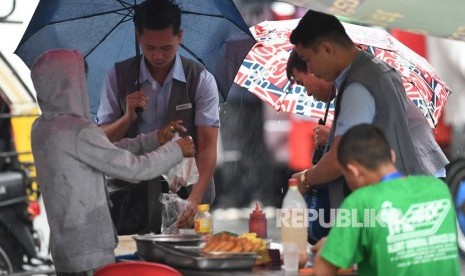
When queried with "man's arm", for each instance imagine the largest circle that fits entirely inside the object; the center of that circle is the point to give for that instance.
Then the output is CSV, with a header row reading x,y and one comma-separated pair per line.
x,y
207,125
144,143
325,171
323,267
95,150
117,130
357,107
207,138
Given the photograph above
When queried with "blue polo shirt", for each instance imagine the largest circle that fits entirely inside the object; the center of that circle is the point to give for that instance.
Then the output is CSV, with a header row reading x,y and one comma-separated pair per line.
x,y
357,105
154,116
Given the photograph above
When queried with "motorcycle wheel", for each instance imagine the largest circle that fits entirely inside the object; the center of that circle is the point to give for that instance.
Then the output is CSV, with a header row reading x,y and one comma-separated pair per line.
x,y
456,181
11,254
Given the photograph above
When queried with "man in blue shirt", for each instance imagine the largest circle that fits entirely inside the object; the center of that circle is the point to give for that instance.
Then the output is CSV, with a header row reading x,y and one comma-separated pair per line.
x,y
172,88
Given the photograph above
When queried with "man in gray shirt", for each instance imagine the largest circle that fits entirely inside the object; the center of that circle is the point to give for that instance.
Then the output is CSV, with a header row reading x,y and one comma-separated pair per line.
x,y
172,88
369,91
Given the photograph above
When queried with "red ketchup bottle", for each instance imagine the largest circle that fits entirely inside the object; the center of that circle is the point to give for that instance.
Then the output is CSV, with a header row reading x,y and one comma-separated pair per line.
x,y
257,222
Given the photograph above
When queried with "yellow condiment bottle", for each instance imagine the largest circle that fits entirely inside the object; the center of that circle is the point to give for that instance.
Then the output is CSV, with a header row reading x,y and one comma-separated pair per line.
x,y
203,223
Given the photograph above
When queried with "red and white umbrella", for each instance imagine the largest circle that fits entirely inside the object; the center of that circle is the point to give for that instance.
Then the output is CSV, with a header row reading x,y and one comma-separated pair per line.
x,y
263,72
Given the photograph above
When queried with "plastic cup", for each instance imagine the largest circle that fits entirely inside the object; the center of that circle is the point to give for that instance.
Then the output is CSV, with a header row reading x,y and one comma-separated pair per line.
x,y
291,256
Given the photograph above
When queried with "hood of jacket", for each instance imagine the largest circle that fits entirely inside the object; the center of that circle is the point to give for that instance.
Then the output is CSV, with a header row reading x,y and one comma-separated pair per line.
x,y
60,83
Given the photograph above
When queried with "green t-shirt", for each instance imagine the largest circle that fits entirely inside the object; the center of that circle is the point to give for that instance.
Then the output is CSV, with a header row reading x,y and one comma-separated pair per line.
x,y
404,226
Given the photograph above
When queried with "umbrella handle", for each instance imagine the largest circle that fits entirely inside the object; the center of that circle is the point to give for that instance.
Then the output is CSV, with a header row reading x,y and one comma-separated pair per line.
x,y
333,92
139,110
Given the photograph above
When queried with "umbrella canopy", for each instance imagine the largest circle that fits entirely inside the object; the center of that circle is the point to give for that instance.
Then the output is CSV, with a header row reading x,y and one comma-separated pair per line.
x,y
103,31
263,71
430,17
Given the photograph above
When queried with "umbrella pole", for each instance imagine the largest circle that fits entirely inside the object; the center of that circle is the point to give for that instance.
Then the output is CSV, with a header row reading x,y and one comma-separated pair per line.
x,y
137,61
139,110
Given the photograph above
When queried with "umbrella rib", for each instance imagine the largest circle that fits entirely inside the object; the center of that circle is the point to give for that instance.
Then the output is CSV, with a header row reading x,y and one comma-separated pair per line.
x,y
90,15
210,15
106,35
192,53
214,15
204,14
129,6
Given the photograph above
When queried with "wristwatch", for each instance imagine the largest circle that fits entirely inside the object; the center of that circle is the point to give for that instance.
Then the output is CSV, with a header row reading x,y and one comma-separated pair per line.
x,y
303,178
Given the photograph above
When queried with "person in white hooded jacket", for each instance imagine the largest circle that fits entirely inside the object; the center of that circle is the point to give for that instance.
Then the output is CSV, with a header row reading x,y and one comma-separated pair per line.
x,y
72,155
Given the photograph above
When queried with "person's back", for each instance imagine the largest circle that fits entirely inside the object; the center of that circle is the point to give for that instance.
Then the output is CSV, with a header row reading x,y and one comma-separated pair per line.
x,y
414,232
390,224
54,140
404,125
72,154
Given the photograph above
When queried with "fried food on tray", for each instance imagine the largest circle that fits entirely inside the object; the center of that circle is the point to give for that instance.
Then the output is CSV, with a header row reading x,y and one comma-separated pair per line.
x,y
227,233
233,244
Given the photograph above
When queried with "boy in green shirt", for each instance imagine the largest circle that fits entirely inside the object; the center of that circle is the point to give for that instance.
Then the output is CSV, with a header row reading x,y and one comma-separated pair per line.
x,y
390,224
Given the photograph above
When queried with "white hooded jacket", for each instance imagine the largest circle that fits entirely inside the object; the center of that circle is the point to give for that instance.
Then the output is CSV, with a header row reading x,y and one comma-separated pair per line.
x,y
72,155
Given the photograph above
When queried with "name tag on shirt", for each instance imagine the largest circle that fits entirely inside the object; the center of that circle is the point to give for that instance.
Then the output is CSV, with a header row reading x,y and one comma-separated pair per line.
x,y
183,106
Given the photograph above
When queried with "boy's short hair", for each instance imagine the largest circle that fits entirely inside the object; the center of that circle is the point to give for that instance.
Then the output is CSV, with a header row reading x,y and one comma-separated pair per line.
x,y
157,15
295,62
366,145
315,27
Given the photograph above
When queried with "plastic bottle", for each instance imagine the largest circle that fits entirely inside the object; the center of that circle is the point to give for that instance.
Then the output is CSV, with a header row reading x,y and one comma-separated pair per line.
x,y
203,223
257,222
294,223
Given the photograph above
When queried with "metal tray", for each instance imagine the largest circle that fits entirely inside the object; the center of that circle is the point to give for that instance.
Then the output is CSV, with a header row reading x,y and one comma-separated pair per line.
x,y
147,249
170,238
198,248
191,258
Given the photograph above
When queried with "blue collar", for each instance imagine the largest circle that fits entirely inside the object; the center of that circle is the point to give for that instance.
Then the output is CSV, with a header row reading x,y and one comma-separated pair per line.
x,y
342,77
176,72
391,176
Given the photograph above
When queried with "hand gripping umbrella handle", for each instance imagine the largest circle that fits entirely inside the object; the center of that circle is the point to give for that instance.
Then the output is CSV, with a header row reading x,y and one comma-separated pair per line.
x,y
318,152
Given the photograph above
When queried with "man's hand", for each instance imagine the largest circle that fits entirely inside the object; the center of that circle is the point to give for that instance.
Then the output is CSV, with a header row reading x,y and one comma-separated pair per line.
x,y
321,135
187,146
134,100
186,220
167,133
302,184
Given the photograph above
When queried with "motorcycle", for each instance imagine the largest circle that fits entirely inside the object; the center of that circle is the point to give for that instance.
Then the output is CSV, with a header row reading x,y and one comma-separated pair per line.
x,y
17,241
19,193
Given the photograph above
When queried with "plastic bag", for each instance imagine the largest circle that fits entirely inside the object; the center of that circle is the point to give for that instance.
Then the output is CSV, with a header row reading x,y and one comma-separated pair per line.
x,y
173,207
183,174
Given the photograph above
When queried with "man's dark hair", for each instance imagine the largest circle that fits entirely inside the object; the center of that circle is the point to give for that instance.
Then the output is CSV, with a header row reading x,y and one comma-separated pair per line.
x,y
295,62
366,145
157,15
315,27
